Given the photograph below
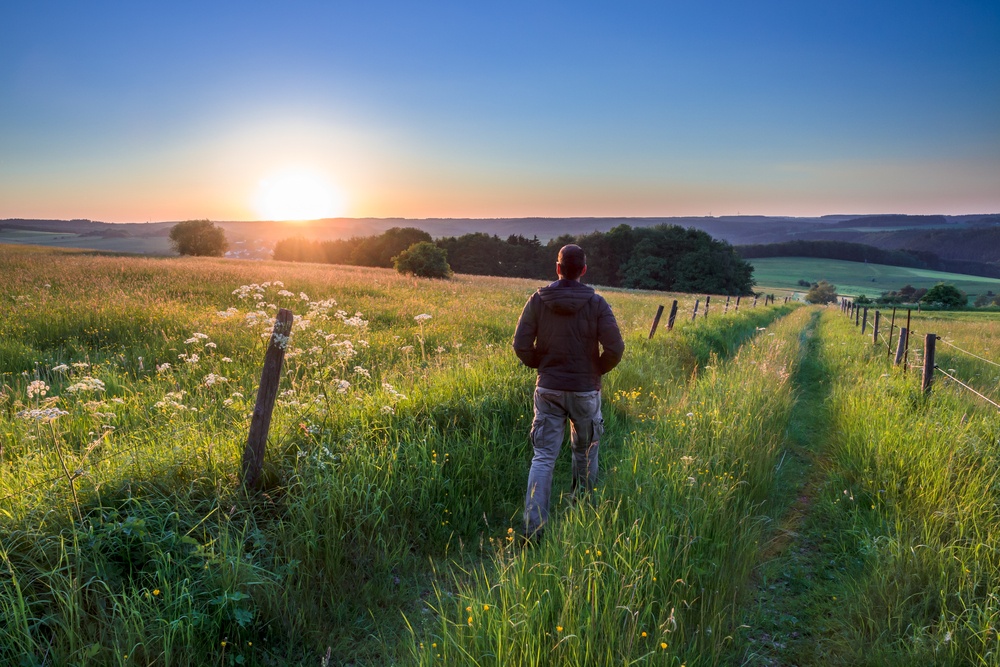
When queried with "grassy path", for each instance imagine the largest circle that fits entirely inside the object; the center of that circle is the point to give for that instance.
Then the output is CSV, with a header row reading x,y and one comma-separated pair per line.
x,y
798,585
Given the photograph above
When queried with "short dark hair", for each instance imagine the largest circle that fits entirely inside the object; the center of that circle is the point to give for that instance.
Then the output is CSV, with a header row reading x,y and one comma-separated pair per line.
x,y
572,261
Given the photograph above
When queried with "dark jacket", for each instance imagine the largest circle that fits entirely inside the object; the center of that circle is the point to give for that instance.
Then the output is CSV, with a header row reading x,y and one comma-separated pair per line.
x,y
561,332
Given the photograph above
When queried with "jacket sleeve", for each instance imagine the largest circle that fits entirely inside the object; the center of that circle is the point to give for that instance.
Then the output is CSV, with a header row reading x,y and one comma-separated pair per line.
x,y
610,338
525,334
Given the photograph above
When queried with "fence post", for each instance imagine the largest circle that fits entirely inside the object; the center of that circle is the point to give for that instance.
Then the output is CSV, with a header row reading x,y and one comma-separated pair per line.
x,y
857,316
906,347
726,309
901,347
878,316
738,303
708,300
892,324
864,321
928,376
253,453
754,301
656,320
673,314
694,313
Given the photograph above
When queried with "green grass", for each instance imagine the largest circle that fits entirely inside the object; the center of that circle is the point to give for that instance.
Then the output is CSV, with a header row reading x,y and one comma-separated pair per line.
x,y
856,278
765,475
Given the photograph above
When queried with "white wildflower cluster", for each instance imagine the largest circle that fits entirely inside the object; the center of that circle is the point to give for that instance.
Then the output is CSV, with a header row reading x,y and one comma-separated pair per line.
x,y
422,317
196,338
212,379
248,291
285,292
233,398
80,365
189,358
344,349
228,312
395,395
172,400
37,388
354,320
342,386
163,368
388,410
61,368
87,383
363,372
257,318
42,415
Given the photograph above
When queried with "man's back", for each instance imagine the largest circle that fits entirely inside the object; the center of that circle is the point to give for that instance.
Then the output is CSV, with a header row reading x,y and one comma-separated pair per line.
x,y
562,331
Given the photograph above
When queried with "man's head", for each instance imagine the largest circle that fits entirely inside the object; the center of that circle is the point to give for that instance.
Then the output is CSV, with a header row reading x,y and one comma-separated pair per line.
x,y
572,262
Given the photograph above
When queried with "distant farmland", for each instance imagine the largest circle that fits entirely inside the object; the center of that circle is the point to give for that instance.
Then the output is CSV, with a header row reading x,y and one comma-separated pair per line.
x,y
858,277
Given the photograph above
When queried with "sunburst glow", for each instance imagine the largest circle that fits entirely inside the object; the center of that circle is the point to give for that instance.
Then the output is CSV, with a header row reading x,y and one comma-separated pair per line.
x,y
297,194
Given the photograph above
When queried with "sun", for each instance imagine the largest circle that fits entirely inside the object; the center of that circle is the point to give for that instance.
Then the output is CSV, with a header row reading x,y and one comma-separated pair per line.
x,y
297,193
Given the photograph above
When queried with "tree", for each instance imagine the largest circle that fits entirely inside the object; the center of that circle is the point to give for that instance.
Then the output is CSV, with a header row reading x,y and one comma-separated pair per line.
x,y
947,296
423,259
822,292
198,237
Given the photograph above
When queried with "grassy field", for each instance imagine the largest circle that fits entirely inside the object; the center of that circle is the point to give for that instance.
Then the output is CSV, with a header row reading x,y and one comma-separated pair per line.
x,y
159,245
772,491
856,278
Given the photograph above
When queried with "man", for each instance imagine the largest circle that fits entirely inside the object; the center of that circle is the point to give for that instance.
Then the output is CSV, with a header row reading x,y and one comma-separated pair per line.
x,y
561,332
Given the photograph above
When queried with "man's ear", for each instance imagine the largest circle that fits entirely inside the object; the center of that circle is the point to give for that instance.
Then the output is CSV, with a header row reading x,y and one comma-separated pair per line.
x,y
559,269
582,273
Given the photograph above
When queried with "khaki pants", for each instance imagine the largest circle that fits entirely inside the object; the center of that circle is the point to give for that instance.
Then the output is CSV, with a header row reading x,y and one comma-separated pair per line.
x,y
548,430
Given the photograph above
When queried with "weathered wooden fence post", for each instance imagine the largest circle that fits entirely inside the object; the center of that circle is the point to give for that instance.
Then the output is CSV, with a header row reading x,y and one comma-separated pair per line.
x,y
864,321
708,300
694,313
672,316
253,453
857,316
754,301
928,377
878,316
906,347
738,303
892,324
656,320
726,309
901,347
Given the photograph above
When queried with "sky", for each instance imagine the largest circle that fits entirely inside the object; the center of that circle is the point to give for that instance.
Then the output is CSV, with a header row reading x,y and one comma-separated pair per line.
x,y
134,111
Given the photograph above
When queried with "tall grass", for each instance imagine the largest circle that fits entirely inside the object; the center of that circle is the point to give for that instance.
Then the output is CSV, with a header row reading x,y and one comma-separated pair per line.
x,y
398,447
909,509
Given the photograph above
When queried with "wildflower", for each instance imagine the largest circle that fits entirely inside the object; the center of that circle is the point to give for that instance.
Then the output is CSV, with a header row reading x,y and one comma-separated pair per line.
x,y
690,414
212,379
86,384
388,410
406,349
210,346
643,633
422,317
486,607
663,645
302,295
61,368
163,368
358,370
285,292
342,386
156,591
227,360
42,415
192,359
37,388
559,628
439,349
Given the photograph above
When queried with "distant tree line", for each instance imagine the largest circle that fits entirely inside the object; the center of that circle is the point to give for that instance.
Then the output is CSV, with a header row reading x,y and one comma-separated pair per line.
x,y
663,257
860,252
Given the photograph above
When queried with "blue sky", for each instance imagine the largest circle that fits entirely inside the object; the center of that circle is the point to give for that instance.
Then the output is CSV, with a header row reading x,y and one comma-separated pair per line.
x,y
142,111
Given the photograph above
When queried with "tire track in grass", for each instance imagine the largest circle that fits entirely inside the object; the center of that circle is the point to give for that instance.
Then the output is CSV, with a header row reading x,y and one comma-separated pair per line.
x,y
791,610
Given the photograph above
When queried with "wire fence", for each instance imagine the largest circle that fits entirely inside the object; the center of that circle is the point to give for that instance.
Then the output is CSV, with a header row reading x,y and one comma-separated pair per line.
x,y
860,316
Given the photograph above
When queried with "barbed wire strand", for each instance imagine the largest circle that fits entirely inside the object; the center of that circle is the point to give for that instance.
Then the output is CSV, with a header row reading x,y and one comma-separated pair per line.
x,y
971,354
985,398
